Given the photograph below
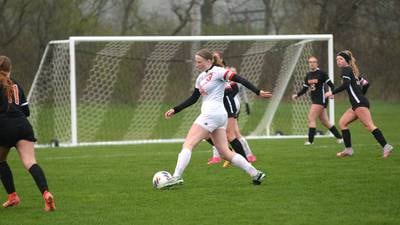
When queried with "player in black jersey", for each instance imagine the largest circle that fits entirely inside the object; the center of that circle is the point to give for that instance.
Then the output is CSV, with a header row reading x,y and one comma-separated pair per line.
x,y
16,131
238,143
353,84
315,80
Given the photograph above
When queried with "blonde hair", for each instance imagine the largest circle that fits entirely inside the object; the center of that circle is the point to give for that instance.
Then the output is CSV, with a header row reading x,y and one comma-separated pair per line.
x,y
352,63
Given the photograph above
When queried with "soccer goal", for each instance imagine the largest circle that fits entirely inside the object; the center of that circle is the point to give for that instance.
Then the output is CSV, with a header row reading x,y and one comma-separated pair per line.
x,y
114,90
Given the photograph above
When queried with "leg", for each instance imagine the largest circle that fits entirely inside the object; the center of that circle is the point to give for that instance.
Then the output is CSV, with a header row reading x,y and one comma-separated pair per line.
x,y
194,136
332,128
249,154
5,171
26,152
7,179
364,115
315,111
347,117
231,134
220,141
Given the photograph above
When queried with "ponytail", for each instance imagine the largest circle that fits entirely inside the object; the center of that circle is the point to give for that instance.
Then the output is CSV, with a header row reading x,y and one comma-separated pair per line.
x,y
5,81
352,62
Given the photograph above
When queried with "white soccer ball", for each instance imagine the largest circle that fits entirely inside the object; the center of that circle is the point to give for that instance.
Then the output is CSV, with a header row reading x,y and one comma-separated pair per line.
x,y
160,178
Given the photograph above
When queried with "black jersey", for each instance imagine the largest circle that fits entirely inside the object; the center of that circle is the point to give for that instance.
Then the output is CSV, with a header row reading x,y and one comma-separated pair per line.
x,y
17,106
13,121
316,81
231,90
354,89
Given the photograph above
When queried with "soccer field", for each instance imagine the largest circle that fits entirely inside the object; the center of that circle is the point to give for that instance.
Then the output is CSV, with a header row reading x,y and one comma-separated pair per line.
x,y
305,184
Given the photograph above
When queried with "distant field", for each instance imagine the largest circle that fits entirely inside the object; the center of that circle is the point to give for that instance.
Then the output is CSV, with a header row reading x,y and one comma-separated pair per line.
x,y
305,184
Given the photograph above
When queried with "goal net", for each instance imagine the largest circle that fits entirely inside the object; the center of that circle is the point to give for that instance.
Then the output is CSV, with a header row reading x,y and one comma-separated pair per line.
x,y
114,90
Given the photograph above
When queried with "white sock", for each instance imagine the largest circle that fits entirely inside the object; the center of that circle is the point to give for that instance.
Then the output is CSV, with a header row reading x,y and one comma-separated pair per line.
x,y
245,145
215,152
183,161
242,163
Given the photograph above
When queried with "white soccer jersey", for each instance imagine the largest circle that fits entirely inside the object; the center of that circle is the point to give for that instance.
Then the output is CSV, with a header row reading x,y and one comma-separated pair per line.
x,y
211,84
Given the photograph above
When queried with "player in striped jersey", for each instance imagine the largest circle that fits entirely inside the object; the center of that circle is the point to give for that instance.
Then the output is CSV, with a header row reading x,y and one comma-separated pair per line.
x,y
316,81
16,131
212,121
352,83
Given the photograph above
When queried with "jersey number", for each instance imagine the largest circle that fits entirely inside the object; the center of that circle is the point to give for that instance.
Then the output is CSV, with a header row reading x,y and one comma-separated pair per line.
x,y
16,94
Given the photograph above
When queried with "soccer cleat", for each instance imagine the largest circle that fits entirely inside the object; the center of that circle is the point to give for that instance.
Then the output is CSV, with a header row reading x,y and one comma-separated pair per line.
x,y
172,182
308,143
214,160
258,178
226,164
49,204
339,141
12,200
251,158
387,149
345,153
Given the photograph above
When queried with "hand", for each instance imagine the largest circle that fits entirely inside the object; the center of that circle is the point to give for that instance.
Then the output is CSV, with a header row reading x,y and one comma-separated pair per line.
x,y
329,94
294,97
247,108
265,94
168,114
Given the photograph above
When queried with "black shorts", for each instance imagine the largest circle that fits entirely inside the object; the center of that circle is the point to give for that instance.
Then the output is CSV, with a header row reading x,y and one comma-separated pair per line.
x,y
361,104
14,129
230,106
321,103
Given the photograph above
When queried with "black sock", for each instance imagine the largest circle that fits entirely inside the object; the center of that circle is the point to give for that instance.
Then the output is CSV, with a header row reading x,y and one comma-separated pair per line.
x,y
38,176
335,132
311,134
7,177
346,138
210,141
238,147
379,137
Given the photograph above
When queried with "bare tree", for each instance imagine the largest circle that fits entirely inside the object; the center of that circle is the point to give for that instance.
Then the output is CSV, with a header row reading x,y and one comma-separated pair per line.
x,y
182,11
12,20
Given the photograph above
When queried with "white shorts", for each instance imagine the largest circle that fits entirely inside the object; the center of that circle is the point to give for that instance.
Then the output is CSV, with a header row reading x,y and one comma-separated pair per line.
x,y
212,122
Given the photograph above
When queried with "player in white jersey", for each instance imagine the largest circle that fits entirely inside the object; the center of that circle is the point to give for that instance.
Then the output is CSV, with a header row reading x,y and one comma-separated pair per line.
x,y
212,120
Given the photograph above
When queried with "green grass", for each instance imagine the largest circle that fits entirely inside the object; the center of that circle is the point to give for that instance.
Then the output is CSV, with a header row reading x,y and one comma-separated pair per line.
x,y
305,185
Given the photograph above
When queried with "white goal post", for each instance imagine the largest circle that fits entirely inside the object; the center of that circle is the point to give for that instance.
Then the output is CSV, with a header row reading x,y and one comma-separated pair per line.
x,y
114,90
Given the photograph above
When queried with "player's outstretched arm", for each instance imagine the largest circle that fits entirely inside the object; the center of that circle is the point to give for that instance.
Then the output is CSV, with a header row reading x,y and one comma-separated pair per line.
x,y
250,86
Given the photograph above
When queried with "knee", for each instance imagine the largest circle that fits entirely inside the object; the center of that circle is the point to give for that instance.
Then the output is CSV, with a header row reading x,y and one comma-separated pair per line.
x,y
29,163
230,135
342,124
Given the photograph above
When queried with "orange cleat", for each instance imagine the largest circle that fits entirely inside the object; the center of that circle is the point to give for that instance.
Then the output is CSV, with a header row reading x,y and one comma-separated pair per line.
x,y
13,200
345,153
49,204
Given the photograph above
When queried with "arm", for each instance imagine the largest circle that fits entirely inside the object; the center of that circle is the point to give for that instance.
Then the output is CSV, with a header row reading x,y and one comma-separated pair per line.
x,y
245,83
23,104
188,102
302,91
330,84
345,84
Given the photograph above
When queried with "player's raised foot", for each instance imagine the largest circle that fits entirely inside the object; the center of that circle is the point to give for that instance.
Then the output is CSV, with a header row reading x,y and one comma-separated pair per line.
x,y
387,150
226,164
49,204
251,158
12,200
345,153
308,143
258,178
174,181
339,141
214,160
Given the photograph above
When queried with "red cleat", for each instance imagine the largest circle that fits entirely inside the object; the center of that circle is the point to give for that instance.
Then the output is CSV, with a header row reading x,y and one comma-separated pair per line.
x,y
13,200
214,160
49,204
251,158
